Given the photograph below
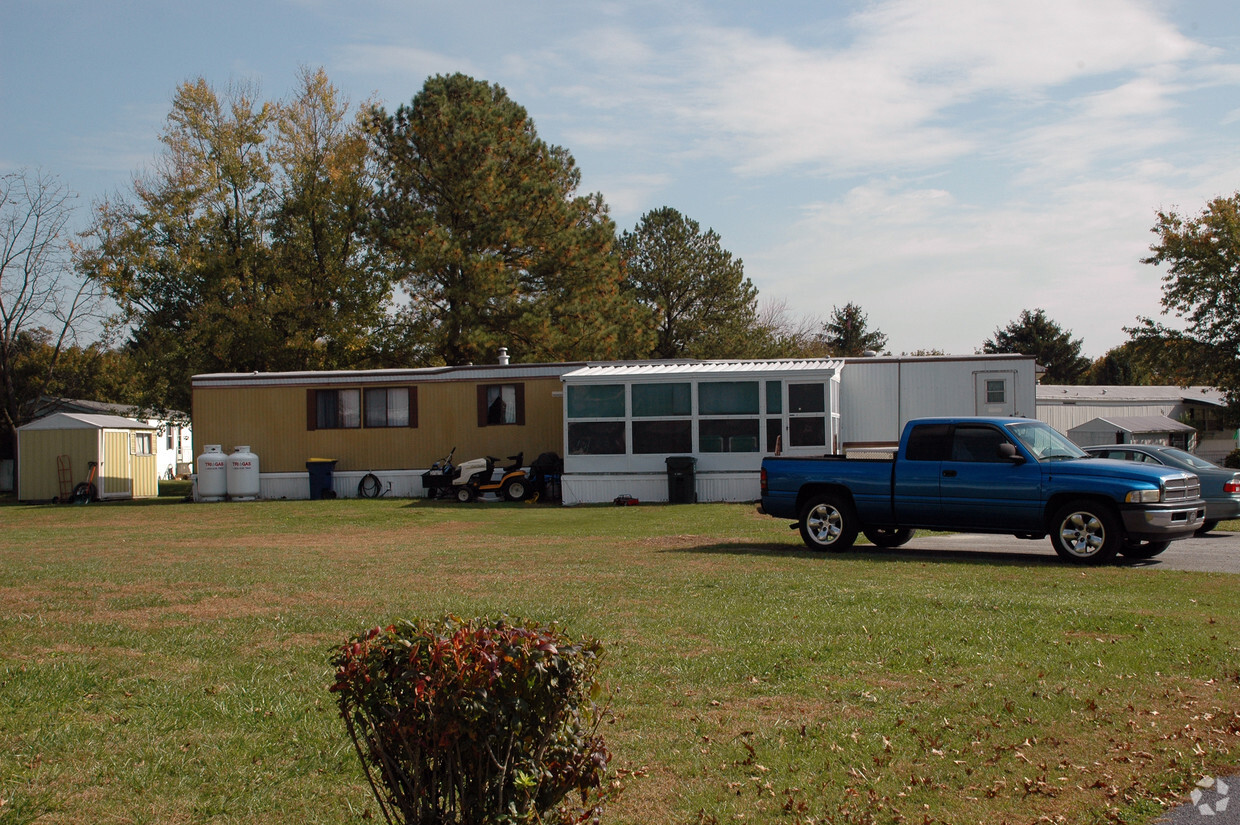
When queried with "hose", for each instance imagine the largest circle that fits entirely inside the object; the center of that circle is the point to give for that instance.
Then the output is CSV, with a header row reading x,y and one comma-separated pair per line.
x,y
369,486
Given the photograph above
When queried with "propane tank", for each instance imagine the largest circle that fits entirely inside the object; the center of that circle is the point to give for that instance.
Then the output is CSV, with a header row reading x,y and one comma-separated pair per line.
x,y
242,474
212,474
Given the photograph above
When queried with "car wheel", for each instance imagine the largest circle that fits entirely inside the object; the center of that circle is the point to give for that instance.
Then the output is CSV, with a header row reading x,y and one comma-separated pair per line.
x,y
888,536
828,522
1085,532
1143,549
1206,526
514,490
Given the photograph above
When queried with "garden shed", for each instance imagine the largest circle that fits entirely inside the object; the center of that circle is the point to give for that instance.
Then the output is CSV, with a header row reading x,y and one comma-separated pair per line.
x,y
1142,429
54,454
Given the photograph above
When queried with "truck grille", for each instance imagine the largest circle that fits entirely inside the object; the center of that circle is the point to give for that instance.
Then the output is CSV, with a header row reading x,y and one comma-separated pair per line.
x,y
1183,488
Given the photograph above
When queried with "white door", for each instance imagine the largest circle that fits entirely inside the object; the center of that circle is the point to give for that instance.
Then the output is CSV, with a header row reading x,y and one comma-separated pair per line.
x,y
994,393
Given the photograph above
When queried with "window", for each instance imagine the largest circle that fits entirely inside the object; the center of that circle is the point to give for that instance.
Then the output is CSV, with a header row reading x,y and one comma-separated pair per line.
x,y
662,436
170,442
728,398
658,400
596,401
596,438
500,404
929,442
670,435
728,435
391,407
143,444
977,444
774,398
996,390
807,422
333,409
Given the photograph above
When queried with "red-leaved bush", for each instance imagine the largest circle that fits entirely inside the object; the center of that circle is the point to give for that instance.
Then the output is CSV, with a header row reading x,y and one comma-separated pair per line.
x,y
475,722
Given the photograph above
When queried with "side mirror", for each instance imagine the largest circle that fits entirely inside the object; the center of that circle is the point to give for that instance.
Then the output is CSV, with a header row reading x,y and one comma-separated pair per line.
x,y
1007,451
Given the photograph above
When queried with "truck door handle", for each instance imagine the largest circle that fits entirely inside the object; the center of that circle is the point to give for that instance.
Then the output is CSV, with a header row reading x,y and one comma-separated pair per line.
x,y
949,474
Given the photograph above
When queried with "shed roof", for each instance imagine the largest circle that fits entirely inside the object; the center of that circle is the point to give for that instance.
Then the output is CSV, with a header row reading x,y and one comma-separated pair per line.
x,y
85,421
1137,424
1111,394
652,369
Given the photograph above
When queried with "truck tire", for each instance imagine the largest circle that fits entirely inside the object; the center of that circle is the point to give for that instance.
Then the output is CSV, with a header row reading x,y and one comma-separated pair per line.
x,y
1143,549
828,522
1206,527
888,536
1086,532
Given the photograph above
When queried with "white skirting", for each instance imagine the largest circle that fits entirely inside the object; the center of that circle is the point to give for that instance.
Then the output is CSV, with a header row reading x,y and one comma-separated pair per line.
x,y
596,488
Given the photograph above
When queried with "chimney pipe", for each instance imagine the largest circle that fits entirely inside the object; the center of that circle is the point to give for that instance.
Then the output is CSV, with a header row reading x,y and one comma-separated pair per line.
x,y
503,356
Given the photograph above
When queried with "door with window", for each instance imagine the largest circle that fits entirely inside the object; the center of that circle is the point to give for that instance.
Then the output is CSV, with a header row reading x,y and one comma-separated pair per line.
x,y
994,393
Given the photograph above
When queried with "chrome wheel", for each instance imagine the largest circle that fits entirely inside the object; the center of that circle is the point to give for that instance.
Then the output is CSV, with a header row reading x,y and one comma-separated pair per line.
x,y
828,523
1086,533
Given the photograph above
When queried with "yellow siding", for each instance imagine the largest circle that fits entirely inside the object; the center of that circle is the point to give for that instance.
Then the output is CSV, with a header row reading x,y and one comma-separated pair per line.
x,y
37,478
116,475
145,477
272,422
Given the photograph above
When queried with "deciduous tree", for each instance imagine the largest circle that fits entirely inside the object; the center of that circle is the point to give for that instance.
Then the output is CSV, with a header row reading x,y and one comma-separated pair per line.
x,y
1054,347
482,222
242,250
1201,286
43,305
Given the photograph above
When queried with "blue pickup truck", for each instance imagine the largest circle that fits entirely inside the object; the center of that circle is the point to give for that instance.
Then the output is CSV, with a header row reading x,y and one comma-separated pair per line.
x,y
986,475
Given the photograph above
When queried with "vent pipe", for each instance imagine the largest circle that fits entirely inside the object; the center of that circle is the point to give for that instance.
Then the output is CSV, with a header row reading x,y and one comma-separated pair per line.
x,y
503,356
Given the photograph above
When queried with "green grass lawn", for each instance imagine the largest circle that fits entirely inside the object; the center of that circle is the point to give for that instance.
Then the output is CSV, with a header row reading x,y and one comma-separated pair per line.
x,y
166,662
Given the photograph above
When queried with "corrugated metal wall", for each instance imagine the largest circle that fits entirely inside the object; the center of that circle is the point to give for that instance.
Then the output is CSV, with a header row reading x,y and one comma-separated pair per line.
x,y
37,478
145,476
878,397
271,420
116,474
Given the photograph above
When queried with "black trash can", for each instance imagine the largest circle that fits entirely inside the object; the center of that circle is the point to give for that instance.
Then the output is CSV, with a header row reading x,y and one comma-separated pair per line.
x,y
320,470
681,480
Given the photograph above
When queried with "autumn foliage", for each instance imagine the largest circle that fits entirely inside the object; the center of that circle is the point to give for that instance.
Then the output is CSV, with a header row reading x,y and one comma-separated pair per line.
x,y
468,722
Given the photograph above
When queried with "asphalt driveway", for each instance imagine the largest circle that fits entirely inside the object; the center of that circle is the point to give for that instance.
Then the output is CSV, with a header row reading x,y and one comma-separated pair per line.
x,y
1211,553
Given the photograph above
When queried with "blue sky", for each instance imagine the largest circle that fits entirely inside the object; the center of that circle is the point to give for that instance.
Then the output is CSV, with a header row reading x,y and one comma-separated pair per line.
x,y
942,163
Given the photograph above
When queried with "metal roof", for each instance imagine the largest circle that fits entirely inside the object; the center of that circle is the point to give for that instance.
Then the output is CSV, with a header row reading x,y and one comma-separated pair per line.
x,y
85,421
656,369
1059,393
1138,424
319,378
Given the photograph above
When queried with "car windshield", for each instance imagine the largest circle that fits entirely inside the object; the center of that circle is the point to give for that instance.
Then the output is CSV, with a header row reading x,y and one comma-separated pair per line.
x,y
1187,459
1046,443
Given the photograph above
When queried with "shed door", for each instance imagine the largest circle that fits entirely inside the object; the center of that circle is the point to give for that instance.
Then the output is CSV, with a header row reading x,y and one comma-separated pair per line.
x,y
995,391
116,474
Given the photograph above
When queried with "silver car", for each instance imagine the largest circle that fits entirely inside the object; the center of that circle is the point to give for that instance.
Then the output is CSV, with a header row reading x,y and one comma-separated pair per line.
x,y
1220,487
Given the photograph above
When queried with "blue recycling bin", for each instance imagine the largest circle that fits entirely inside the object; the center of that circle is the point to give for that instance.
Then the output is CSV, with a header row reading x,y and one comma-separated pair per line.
x,y
320,470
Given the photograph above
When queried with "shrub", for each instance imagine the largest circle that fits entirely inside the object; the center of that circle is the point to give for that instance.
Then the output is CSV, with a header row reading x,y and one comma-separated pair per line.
x,y
473,722
1232,459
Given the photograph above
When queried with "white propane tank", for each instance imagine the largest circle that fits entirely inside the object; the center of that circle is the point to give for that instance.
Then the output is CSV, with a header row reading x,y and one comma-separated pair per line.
x,y
212,474
242,474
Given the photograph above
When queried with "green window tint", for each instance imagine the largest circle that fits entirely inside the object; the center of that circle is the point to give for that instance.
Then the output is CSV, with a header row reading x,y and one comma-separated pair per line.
x,y
806,398
596,438
774,397
596,401
661,400
808,431
653,437
728,398
728,435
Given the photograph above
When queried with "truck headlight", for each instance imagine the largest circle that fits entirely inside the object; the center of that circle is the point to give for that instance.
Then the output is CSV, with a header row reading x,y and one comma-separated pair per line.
x,y
1144,497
